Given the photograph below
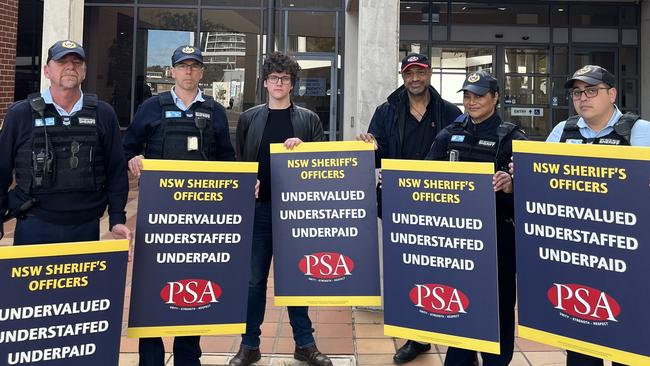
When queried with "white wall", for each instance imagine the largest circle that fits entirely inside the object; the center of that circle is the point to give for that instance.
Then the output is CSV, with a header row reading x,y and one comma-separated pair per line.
x,y
371,39
66,22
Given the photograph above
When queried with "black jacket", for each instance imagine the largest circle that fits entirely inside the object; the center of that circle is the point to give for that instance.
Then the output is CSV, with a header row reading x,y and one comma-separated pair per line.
x,y
387,124
250,128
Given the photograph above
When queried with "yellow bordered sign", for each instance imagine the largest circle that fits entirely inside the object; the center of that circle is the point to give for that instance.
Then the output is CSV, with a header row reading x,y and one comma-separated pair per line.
x,y
199,166
583,150
307,147
186,330
327,300
587,348
439,338
59,249
437,166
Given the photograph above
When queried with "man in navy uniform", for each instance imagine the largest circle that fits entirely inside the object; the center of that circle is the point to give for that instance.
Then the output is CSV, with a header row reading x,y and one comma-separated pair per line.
x,y
181,124
64,148
599,121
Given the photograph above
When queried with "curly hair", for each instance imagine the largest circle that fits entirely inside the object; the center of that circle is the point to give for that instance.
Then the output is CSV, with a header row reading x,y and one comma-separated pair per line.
x,y
279,62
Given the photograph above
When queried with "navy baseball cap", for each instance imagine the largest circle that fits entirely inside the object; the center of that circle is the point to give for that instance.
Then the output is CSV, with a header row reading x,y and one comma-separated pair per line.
x,y
415,59
592,75
480,83
183,53
62,48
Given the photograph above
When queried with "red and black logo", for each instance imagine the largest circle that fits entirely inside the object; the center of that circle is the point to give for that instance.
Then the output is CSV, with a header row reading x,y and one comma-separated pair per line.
x,y
583,304
326,266
439,300
190,294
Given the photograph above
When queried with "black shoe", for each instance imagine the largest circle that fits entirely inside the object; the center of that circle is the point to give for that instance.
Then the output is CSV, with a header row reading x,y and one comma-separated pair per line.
x,y
409,351
312,356
245,356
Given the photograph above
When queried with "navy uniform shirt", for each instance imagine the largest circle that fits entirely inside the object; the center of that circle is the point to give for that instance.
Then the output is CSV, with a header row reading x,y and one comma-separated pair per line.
x,y
68,207
150,112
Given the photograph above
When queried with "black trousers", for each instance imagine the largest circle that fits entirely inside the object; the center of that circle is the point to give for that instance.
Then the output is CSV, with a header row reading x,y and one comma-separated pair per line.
x,y
187,351
507,299
578,359
32,230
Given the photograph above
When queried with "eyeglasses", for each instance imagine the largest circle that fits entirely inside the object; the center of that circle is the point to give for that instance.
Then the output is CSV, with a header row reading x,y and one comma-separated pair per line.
x,y
285,80
576,94
74,150
185,67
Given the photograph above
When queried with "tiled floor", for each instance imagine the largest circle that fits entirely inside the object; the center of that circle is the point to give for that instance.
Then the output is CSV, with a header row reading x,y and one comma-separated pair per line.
x,y
350,336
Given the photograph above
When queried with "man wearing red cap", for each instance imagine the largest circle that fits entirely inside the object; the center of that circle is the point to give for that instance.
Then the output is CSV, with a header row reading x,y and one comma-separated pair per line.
x,y
404,127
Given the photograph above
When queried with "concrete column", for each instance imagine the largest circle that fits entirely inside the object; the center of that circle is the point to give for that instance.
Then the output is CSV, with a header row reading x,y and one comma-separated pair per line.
x,y
371,51
645,60
62,19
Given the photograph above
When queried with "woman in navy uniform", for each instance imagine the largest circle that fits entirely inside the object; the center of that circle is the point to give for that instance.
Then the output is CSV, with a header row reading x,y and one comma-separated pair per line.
x,y
480,135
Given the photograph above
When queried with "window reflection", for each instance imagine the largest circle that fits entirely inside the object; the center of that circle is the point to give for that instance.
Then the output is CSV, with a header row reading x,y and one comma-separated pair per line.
x,y
109,57
160,32
451,66
312,32
231,42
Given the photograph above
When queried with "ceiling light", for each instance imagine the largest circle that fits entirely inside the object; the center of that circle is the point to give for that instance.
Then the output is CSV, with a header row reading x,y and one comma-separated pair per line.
x,y
502,9
407,7
560,9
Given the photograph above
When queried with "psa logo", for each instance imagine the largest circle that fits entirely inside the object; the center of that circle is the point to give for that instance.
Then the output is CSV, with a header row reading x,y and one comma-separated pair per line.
x,y
583,304
190,294
326,266
438,300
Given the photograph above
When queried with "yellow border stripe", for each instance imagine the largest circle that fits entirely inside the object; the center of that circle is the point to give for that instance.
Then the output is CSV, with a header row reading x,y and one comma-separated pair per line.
x,y
327,301
53,250
587,348
437,166
199,166
186,330
582,150
440,338
324,147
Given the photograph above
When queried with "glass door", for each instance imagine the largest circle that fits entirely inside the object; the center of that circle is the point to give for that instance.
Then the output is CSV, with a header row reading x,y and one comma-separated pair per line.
x,y
316,89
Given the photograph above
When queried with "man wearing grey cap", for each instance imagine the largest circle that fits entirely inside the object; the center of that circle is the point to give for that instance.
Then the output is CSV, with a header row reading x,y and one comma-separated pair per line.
x,y
63,146
599,121
180,124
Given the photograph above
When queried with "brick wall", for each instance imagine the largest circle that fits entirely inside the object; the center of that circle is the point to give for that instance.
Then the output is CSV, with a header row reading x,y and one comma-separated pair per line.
x,y
8,26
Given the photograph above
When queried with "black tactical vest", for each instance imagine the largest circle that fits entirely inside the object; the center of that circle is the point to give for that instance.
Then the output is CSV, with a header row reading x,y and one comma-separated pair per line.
x,y
65,154
183,135
619,136
472,148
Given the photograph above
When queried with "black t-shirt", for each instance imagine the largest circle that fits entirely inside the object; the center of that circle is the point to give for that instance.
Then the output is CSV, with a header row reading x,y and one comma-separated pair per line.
x,y
277,130
418,135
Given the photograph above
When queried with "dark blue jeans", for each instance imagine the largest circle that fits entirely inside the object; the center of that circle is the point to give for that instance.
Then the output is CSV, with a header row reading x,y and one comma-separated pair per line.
x,y
32,230
260,264
187,351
